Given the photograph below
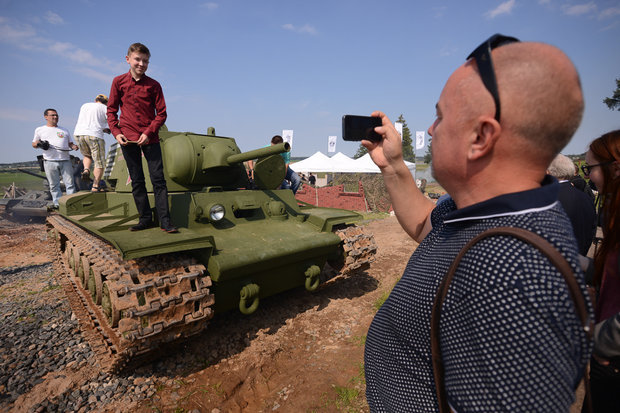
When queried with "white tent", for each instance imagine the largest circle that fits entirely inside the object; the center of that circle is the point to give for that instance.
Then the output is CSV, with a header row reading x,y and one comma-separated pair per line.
x,y
322,163
316,163
365,164
340,163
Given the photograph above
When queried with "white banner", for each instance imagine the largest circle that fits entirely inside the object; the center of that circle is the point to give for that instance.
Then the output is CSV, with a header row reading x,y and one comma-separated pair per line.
x,y
399,129
287,136
331,144
419,139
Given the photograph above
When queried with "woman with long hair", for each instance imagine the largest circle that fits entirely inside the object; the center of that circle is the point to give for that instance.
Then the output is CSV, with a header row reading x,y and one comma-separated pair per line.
x,y
603,168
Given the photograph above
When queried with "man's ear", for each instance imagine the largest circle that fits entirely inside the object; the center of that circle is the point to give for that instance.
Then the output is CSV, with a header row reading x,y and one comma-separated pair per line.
x,y
487,134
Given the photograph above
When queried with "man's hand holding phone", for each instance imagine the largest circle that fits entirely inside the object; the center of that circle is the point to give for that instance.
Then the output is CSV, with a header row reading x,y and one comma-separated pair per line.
x,y
388,152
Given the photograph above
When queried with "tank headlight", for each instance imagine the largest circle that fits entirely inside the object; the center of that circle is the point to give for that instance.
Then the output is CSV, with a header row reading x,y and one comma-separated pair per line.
x,y
216,212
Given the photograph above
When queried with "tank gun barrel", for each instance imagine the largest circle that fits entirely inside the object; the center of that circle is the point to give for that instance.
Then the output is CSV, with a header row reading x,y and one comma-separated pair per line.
x,y
32,173
259,153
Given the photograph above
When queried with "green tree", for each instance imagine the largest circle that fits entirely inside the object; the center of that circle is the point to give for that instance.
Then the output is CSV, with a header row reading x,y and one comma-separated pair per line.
x,y
408,153
614,101
427,155
361,151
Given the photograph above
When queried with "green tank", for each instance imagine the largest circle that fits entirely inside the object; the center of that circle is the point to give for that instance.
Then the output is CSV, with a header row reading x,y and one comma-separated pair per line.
x,y
238,242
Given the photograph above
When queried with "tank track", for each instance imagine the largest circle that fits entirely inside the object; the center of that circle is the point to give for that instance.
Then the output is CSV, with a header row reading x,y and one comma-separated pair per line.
x,y
127,309
359,251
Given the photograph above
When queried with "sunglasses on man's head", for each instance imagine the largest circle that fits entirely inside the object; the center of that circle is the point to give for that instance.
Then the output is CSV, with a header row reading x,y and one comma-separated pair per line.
x,y
482,55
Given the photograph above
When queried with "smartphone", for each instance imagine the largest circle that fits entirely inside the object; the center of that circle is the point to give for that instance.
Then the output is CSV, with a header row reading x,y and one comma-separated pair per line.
x,y
356,128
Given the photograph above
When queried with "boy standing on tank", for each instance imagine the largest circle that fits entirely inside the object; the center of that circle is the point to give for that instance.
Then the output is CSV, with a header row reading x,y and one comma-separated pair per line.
x,y
143,113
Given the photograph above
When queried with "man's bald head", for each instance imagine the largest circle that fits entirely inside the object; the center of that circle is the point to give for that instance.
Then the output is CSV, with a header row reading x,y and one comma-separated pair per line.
x,y
540,93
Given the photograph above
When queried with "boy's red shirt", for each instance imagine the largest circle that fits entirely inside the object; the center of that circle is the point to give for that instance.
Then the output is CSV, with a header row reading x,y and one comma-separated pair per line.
x,y
142,105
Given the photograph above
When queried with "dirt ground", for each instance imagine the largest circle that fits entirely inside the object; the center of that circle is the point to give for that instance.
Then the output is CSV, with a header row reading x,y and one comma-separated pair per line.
x,y
299,352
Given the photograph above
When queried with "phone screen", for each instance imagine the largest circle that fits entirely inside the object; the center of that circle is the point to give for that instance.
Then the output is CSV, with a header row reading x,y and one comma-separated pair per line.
x,y
356,128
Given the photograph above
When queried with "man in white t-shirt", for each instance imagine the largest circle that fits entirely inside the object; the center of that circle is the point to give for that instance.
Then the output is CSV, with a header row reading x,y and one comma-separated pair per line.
x,y
91,125
56,143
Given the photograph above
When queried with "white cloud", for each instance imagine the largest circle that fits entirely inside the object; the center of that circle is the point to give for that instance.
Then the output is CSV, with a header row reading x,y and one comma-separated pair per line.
x,y
209,6
608,13
611,26
504,8
579,9
25,37
53,18
306,28
14,33
92,73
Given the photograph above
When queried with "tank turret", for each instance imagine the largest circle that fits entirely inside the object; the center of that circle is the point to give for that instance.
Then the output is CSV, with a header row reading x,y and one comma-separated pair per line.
x,y
193,161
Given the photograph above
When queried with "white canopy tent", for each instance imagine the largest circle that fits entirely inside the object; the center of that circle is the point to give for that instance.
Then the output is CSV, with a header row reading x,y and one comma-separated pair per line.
x,y
340,163
365,164
316,163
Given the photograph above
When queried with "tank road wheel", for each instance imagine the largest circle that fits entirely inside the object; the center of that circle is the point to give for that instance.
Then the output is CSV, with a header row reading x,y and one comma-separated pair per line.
x,y
77,262
110,312
83,270
69,254
95,284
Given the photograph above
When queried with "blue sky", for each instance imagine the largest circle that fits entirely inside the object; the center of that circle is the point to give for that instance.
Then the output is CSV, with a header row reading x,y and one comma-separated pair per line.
x,y
254,68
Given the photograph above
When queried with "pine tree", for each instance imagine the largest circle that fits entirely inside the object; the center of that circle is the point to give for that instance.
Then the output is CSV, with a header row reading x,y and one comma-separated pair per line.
x,y
408,153
427,156
361,151
614,101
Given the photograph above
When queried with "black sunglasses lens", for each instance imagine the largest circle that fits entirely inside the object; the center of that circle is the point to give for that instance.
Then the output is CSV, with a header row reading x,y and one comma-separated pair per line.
x,y
482,55
498,40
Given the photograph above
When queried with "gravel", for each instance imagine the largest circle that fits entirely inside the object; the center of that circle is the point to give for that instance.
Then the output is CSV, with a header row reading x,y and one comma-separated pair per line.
x,y
40,335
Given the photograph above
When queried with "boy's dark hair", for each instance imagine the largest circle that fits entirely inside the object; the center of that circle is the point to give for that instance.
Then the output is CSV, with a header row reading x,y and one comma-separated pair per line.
x,y
47,110
276,140
140,48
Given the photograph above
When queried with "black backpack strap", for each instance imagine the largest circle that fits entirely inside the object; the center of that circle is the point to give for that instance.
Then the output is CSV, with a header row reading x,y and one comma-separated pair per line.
x,y
556,259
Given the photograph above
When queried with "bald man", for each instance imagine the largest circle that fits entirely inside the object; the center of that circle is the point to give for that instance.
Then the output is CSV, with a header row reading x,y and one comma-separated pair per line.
x,y
510,337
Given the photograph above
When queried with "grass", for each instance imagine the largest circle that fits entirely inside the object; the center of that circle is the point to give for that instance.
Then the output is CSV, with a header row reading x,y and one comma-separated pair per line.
x,y
351,398
371,216
22,180
359,340
345,396
379,302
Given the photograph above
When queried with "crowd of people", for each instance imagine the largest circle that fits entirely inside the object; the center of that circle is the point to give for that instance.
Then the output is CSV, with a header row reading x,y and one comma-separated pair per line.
x,y
509,337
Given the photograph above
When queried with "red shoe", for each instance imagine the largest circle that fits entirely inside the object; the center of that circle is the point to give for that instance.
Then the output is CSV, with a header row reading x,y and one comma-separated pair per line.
x,y
170,229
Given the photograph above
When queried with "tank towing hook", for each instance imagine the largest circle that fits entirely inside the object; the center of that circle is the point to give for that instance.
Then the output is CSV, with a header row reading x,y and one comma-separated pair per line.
x,y
249,293
312,278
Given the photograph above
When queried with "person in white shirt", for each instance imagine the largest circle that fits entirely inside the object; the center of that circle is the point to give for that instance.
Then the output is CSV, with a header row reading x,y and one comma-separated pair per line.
x,y
55,141
91,125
